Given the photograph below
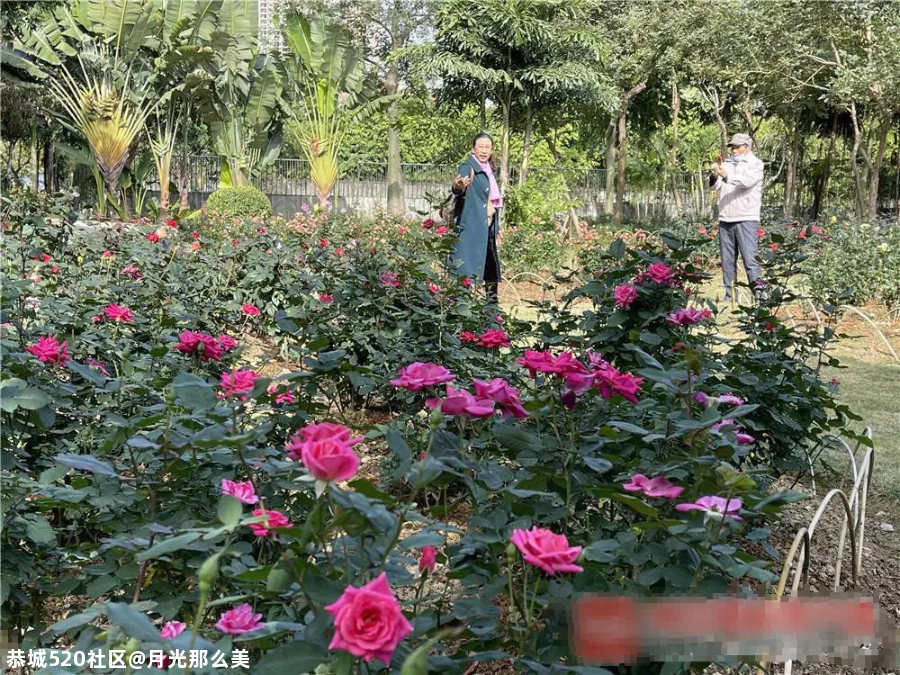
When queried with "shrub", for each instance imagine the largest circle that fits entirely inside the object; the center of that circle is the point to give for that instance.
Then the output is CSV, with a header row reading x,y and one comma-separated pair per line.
x,y
854,262
239,202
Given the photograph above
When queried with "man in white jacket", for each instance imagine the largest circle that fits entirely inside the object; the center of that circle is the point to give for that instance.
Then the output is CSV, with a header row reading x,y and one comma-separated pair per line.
x,y
739,182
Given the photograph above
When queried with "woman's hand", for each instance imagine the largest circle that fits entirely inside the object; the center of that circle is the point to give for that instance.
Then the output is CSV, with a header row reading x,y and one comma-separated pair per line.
x,y
461,182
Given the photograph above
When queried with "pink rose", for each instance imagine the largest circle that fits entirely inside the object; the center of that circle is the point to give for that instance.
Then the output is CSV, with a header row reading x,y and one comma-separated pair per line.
x,y
494,338
544,549
419,375
50,350
107,254
428,561
325,297
319,432
468,336
390,279
118,313
250,310
441,230
428,223
172,629
237,382
153,237
330,460
653,487
660,273
273,519
688,316
242,491
132,271
731,399
715,506
459,402
503,394
368,621
239,620
625,295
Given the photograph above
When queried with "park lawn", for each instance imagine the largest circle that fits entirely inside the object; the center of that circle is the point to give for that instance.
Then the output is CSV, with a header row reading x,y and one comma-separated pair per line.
x,y
872,390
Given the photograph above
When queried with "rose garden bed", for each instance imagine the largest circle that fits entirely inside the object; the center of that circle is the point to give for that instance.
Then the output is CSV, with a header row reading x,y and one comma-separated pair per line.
x,y
305,440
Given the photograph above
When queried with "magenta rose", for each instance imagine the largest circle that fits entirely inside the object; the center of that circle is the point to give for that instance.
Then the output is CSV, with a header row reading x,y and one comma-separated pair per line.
x,y
418,375
428,561
544,549
50,350
503,394
118,313
205,347
537,362
494,338
237,382
250,310
459,402
239,620
688,316
368,621
625,295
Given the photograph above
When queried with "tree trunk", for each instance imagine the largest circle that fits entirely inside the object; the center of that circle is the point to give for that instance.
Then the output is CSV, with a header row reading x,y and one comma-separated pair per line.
x,y
504,141
791,175
483,108
395,203
526,144
824,172
35,160
673,151
184,161
623,150
571,227
610,166
874,176
48,163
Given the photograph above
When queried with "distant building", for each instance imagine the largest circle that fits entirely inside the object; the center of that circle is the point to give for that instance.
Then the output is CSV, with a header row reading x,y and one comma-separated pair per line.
x,y
270,37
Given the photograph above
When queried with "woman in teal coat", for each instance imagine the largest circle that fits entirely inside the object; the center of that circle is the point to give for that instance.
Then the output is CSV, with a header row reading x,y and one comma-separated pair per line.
x,y
478,219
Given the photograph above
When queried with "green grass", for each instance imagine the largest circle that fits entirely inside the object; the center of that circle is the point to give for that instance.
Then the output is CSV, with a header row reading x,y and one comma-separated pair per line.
x,y
872,390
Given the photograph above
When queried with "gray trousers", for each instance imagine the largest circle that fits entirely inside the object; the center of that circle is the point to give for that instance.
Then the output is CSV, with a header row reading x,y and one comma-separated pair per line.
x,y
734,237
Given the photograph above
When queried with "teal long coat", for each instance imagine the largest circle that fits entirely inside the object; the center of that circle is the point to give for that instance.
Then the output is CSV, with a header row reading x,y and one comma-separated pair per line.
x,y
475,236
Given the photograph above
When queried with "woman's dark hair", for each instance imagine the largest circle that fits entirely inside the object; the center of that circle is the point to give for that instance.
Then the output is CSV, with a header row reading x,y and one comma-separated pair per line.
x,y
478,137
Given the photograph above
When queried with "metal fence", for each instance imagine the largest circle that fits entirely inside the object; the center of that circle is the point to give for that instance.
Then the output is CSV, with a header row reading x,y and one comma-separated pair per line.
x,y
362,187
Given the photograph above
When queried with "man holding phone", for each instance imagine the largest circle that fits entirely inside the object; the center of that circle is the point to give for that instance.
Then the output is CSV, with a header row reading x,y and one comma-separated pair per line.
x,y
739,181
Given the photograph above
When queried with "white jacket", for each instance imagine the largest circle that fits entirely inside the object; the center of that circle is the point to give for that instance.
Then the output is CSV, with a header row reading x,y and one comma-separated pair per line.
x,y
740,192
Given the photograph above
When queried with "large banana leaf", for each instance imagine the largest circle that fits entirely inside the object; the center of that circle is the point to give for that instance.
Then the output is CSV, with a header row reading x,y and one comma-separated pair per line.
x,y
240,17
264,95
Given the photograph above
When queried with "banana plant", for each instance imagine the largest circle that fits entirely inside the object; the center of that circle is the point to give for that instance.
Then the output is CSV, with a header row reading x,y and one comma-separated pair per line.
x,y
332,90
105,115
162,145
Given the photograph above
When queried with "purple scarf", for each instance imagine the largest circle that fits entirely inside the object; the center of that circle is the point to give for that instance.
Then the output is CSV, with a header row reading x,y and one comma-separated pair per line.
x,y
494,194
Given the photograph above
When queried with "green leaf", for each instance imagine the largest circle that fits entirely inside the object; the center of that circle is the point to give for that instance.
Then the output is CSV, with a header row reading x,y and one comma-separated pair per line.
x,y
598,464
398,445
134,623
634,503
194,392
39,530
626,426
230,510
516,439
31,398
87,463
168,546
650,576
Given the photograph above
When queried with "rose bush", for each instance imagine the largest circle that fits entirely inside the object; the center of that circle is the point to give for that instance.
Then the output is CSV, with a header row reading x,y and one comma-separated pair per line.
x,y
392,491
